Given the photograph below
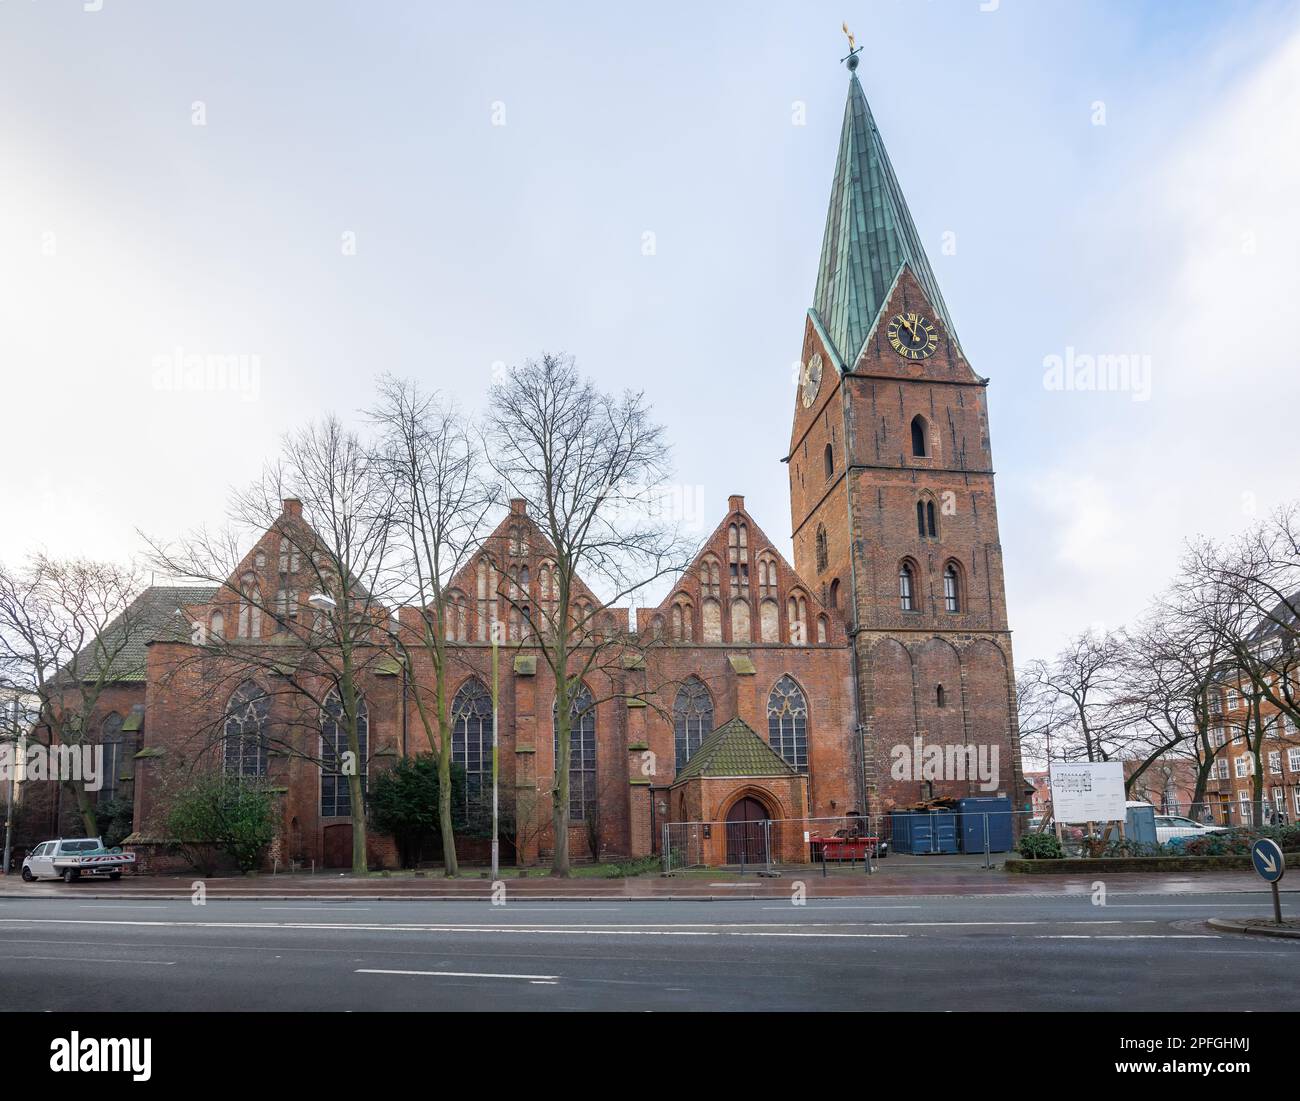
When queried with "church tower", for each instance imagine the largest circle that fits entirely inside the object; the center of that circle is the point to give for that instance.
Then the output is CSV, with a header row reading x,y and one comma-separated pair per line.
x,y
891,495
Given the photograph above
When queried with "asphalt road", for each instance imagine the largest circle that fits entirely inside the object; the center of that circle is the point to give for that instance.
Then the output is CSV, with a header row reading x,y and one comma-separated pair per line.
x,y
994,953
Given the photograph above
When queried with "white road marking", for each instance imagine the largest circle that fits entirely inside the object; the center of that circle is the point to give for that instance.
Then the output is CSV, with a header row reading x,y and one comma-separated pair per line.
x,y
1127,936
91,959
456,974
353,909
599,930
819,907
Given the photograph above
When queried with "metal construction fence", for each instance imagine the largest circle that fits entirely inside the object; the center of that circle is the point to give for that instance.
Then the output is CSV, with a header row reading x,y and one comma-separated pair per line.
x,y
942,835
855,844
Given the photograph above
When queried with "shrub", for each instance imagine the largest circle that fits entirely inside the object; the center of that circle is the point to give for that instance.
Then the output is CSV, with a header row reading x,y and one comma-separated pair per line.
x,y
113,820
219,813
1040,846
403,802
1126,846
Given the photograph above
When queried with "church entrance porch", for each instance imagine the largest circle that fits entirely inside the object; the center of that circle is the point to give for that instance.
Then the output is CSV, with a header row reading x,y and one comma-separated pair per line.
x,y
747,832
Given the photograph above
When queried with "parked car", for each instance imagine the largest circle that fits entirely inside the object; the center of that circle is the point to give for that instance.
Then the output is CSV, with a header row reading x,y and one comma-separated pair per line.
x,y
1171,826
71,858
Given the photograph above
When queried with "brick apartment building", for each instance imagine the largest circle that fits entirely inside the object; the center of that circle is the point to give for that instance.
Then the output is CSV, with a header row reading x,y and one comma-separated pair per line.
x,y
1230,792
758,689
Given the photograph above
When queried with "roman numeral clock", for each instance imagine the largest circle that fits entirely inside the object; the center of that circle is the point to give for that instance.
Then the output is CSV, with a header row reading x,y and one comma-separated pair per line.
x,y
913,336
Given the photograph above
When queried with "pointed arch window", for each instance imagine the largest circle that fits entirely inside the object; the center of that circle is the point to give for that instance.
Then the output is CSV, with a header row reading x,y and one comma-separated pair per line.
x,y
692,718
218,626
250,611
823,551
828,457
711,620
797,614
582,753
471,741
486,582
738,556
787,722
906,588
683,621
926,527
951,588
244,732
336,762
918,436
740,628
835,593
110,737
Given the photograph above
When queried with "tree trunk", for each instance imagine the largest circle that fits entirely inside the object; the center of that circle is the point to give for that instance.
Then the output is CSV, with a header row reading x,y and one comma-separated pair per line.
x,y
85,808
356,793
560,788
360,865
451,865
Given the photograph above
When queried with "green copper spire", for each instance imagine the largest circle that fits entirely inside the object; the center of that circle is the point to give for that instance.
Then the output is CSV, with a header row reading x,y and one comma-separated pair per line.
x,y
869,235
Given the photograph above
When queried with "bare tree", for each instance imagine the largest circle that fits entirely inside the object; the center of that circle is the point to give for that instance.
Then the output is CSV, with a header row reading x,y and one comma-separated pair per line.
x,y
323,512
440,509
1169,679
68,630
587,465
1077,696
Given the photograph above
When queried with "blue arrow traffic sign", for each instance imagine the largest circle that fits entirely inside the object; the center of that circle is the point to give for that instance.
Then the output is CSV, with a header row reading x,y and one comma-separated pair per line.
x,y
1267,857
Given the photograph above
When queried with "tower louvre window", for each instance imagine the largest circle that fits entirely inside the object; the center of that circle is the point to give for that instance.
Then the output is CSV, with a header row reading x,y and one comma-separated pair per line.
x,y
918,436
926,527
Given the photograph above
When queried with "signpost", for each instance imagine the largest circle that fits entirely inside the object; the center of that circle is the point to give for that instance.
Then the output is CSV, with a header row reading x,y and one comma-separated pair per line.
x,y
1269,862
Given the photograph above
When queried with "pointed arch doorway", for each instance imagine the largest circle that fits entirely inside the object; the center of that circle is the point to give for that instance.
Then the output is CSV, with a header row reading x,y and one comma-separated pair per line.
x,y
746,841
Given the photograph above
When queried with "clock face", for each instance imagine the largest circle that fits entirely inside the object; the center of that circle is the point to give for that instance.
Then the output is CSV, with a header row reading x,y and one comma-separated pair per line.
x,y
812,378
913,336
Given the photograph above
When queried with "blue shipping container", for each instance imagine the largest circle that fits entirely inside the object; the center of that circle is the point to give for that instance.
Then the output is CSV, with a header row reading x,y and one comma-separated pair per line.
x,y
923,831
974,810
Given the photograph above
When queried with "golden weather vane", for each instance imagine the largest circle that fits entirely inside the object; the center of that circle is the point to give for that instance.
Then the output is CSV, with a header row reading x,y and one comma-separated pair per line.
x,y
854,48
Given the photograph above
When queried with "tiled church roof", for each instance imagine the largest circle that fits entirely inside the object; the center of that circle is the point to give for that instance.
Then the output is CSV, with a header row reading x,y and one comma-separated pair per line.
x,y
152,616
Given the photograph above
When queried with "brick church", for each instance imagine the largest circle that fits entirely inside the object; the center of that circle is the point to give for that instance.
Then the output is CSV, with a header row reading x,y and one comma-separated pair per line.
x,y
766,689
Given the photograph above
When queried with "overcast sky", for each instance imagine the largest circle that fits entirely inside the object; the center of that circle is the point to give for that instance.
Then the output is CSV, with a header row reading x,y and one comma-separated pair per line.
x,y
334,190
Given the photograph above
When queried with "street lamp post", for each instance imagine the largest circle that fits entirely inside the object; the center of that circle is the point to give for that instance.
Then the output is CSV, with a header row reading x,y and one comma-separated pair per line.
x,y
9,797
496,850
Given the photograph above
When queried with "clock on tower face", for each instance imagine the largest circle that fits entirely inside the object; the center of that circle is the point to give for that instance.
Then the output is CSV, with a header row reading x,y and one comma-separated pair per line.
x,y
812,378
913,336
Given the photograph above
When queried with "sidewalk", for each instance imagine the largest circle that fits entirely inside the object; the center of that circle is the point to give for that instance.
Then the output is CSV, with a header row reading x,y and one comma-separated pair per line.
x,y
696,885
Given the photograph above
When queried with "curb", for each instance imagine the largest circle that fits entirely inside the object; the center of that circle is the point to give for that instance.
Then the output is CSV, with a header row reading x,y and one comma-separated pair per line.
x,y
1006,896
1227,926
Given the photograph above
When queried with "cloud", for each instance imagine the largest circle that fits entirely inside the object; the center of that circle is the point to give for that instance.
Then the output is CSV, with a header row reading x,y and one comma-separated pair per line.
x,y
1200,273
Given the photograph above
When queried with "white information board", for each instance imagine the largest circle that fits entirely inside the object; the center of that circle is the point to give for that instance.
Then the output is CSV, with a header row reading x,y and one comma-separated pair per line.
x,y
1087,792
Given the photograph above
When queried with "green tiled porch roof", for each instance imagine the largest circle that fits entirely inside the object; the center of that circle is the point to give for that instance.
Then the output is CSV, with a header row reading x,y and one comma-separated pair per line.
x,y
869,237
734,750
